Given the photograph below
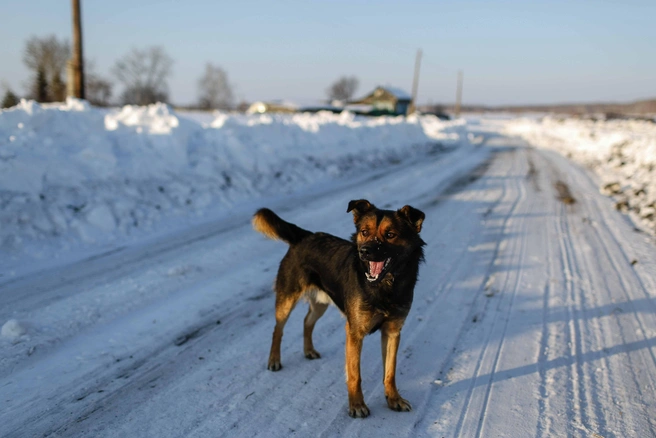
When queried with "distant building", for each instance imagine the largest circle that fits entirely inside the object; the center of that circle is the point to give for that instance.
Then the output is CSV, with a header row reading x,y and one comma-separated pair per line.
x,y
386,101
317,107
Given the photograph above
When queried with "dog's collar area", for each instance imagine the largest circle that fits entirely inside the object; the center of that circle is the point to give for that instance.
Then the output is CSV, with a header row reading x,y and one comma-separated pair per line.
x,y
376,269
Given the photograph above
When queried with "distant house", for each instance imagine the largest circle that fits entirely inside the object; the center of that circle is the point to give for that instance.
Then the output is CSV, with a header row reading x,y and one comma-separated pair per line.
x,y
386,100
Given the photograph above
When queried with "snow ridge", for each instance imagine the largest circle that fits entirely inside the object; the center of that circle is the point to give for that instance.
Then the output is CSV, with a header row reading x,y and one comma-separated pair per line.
x,y
72,175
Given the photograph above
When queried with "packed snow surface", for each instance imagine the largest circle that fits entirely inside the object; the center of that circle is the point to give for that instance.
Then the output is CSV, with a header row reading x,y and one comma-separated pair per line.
x,y
534,314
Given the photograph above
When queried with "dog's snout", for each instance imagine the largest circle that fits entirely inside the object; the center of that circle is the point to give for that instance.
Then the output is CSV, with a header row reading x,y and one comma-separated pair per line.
x,y
370,250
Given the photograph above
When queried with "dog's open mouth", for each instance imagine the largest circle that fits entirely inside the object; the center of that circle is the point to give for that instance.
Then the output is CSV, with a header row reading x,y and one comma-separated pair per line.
x,y
376,269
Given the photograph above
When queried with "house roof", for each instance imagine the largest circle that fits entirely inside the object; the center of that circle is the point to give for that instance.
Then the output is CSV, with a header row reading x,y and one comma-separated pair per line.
x,y
384,93
397,92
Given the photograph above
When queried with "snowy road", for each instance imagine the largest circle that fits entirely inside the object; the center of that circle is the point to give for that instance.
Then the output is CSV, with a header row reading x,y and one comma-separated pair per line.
x,y
534,316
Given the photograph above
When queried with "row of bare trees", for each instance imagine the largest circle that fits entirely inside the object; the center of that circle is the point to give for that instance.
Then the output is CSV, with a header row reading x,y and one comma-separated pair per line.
x,y
143,74
46,58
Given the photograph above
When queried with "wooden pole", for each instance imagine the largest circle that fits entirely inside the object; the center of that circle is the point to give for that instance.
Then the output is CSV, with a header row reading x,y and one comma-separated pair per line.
x,y
459,93
78,60
415,84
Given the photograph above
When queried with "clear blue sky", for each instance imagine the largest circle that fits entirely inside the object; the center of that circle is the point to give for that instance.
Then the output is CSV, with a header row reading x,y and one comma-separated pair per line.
x,y
512,52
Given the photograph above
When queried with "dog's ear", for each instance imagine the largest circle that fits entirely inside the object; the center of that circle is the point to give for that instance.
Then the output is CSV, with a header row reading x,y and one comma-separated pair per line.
x,y
359,207
414,216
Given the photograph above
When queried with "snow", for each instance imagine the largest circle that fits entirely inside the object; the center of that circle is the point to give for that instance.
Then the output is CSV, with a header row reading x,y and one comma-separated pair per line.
x,y
622,153
13,330
532,316
73,176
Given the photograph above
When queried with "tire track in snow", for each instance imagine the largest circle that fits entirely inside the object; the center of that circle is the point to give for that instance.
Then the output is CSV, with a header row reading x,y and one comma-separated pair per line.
x,y
462,268
549,379
606,248
583,411
480,308
585,252
544,423
595,332
578,402
474,414
519,248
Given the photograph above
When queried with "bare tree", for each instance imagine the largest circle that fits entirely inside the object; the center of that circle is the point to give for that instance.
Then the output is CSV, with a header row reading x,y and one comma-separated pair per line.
x,y
98,90
214,90
343,88
47,56
144,75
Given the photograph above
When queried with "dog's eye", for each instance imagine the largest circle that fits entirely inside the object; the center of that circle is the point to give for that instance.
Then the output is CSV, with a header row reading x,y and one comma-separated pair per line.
x,y
390,235
364,233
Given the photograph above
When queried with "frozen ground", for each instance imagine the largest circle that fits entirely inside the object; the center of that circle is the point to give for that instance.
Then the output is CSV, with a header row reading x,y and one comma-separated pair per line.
x,y
534,314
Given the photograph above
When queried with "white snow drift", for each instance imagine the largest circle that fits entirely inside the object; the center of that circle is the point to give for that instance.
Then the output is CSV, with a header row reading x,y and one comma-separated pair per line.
x,y
73,175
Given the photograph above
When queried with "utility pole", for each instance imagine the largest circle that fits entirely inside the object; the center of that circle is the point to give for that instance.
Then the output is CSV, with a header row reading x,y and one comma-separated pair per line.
x,y
459,93
76,66
415,84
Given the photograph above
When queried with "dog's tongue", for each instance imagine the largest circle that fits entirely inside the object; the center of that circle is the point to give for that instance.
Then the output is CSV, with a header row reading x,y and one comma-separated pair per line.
x,y
375,268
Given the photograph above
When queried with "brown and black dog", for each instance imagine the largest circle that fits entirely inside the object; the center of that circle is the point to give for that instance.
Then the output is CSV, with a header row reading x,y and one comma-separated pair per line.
x,y
371,279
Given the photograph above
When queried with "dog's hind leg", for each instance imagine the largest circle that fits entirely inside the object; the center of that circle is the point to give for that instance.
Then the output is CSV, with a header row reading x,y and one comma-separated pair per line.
x,y
318,306
284,305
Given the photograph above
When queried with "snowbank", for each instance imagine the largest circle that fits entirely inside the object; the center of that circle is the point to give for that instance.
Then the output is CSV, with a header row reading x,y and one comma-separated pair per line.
x,y
73,175
13,330
621,152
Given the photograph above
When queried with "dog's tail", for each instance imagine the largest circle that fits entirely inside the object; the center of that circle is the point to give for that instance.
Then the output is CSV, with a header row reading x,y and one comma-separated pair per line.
x,y
271,225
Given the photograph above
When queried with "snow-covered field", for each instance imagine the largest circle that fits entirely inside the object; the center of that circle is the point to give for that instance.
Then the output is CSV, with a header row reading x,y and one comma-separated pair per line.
x,y
135,299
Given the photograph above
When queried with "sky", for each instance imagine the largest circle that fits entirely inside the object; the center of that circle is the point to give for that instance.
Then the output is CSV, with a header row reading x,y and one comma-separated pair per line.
x,y
511,52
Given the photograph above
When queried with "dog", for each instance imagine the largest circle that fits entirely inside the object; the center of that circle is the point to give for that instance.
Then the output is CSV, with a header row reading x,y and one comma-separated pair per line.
x,y
371,279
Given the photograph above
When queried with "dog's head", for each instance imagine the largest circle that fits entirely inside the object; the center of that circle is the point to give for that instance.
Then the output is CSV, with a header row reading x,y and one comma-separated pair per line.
x,y
386,239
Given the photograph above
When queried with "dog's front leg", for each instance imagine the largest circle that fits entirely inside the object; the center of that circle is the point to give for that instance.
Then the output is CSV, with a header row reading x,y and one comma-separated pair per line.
x,y
357,407
390,337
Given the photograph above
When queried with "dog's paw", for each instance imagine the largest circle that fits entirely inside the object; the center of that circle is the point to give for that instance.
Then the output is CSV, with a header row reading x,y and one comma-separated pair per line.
x,y
398,404
359,410
274,365
312,354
